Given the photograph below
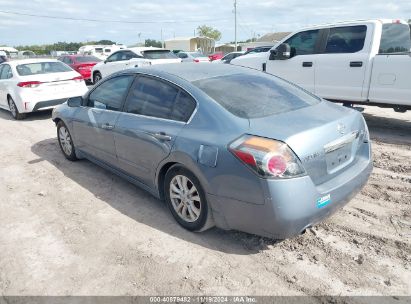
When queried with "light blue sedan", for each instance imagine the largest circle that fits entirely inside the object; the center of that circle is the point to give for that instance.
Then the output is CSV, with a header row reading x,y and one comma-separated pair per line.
x,y
224,146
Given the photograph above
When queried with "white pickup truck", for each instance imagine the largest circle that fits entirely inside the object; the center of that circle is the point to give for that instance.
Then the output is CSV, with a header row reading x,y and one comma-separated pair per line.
x,y
361,62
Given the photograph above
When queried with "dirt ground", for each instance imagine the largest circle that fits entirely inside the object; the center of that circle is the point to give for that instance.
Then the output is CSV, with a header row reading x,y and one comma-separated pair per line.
x,y
76,229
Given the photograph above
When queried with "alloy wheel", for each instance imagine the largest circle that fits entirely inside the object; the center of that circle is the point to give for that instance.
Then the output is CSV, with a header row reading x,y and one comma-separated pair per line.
x,y
185,198
13,108
65,140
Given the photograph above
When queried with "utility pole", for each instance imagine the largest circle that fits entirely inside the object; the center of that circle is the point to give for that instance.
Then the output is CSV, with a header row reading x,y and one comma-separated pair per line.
x,y
235,24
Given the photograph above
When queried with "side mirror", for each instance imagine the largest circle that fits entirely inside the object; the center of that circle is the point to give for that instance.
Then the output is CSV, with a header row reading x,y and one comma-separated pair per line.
x,y
282,52
74,102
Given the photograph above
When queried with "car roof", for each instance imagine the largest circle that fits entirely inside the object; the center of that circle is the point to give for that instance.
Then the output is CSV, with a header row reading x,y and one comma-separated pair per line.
x,y
27,61
191,71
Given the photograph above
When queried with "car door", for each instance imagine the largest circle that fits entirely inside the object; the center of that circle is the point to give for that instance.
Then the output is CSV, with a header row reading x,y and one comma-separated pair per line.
x,y
6,76
112,64
3,94
300,68
154,114
94,123
341,67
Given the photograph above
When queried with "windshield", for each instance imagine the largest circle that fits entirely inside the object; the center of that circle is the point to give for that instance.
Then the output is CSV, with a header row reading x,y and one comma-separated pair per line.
x,y
87,59
254,96
42,68
160,54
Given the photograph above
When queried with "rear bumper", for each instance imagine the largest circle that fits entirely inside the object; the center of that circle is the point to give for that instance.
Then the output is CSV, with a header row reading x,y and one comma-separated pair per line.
x,y
48,104
290,205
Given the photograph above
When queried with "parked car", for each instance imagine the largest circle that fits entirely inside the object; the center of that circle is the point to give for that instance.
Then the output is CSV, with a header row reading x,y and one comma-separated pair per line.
x,y
81,64
230,56
192,57
264,157
216,56
361,62
259,49
131,58
30,85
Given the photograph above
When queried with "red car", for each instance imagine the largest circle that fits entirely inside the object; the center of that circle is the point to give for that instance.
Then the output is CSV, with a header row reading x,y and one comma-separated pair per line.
x,y
216,56
81,63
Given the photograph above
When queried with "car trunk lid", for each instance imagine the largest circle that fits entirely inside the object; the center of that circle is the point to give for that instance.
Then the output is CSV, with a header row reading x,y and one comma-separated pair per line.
x,y
325,137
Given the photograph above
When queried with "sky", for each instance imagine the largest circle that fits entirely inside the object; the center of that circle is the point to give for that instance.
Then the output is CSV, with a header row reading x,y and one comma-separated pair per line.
x,y
177,18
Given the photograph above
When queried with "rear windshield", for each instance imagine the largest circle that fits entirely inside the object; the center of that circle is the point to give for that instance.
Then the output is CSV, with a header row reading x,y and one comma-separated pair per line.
x,y
87,59
395,38
159,55
254,96
42,68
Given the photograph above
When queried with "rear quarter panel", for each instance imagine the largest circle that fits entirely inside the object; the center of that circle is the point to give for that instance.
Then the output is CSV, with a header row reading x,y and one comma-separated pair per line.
x,y
390,80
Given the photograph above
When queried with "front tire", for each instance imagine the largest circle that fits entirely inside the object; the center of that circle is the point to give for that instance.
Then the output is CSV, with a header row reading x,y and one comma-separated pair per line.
x,y
14,110
186,199
65,141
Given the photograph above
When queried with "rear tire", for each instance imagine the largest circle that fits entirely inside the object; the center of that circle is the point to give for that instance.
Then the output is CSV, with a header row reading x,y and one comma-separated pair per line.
x,y
186,199
14,110
65,141
97,77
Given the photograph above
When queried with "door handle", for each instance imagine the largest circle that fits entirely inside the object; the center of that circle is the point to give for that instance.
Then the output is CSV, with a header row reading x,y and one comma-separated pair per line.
x,y
356,64
107,127
307,64
161,136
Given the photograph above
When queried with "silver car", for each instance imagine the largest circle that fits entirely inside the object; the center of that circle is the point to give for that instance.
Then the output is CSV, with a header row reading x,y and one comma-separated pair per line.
x,y
223,145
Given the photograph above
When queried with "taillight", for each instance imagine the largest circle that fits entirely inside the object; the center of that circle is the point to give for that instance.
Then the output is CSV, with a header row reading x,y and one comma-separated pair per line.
x,y
29,84
267,157
78,79
196,60
84,67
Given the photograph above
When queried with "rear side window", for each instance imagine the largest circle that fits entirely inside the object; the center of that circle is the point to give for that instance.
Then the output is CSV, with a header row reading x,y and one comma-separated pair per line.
x,y
347,39
110,94
42,68
87,59
395,38
303,43
156,98
6,72
255,95
160,54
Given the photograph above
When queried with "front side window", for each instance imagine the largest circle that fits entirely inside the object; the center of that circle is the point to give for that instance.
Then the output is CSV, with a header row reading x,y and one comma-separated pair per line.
x,y
347,39
115,57
42,68
156,98
395,38
127,55
110,94
303,43
182,55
